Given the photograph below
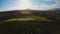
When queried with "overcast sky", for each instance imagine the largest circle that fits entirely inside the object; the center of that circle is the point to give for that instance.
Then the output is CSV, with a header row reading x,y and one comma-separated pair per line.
x,y
29,4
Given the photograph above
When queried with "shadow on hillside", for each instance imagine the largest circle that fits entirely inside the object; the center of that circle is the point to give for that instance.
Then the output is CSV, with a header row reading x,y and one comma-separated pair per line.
x,y
29,27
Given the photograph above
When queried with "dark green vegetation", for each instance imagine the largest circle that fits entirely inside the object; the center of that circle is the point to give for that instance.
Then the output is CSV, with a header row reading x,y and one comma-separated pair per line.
x,y
30,22
26,15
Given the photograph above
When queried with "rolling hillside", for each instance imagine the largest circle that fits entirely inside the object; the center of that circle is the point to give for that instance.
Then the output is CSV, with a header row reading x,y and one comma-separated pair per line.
x,y
33,14
30,22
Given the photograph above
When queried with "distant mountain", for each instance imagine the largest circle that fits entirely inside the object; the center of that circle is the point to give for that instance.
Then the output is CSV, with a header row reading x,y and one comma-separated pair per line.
x,y
57,9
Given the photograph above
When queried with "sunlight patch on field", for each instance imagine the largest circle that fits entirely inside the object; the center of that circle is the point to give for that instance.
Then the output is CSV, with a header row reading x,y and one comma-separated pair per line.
x,y
19,19
25,19
28,19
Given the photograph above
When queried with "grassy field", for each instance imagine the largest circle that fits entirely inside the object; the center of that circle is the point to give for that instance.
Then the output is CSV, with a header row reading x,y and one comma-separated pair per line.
x,y
29,22
28,19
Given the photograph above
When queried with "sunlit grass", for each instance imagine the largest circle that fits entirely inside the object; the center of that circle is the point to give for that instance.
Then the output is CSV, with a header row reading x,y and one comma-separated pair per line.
x,y
40,18
28,19
19,19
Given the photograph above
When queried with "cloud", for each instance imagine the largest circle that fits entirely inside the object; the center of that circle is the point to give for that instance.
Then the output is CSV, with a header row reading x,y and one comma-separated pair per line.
x,y
48,0
57,3
47,7
43,7
10,8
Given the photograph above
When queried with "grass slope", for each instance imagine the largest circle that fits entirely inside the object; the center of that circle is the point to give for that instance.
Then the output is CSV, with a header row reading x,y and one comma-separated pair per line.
x,y
28,19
